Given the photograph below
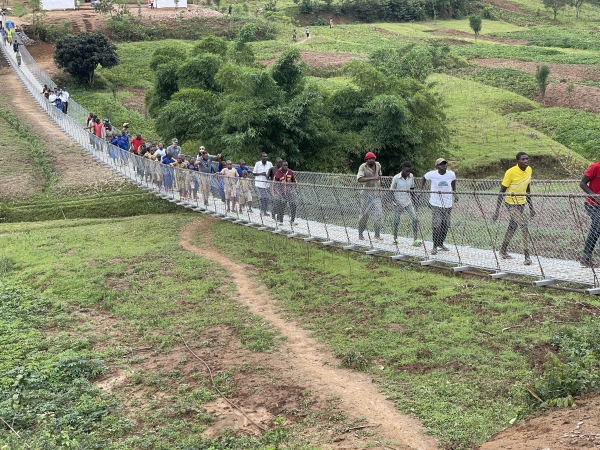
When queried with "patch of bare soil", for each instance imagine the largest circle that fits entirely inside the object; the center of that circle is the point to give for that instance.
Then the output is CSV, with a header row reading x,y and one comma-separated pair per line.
x,y
76,173
509,6
586,98
136,101
44,57
558,72
322,59
327,59
440,31
86,20
310,361
561,429
263,385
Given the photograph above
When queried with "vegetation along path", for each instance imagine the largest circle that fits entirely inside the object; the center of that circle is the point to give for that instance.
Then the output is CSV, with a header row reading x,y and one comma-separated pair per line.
x,y
318,365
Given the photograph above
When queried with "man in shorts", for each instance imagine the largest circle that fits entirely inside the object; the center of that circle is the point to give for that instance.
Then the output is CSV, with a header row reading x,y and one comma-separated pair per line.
x,y
230,176
244,192
517,180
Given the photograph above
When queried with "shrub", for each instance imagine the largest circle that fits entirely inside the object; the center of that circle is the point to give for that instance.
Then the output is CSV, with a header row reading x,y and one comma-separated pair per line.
x,y
513,80
579,374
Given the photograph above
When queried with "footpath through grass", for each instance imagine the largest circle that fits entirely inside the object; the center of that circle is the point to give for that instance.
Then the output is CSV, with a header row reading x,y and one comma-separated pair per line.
x,y
456,352
143,289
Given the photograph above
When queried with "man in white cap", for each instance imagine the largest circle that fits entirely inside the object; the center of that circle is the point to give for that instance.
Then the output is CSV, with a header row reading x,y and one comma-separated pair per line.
x,y
204,163
442,193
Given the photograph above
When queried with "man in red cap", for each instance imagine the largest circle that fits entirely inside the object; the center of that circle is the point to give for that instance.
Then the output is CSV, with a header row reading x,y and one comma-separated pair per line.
x,y
369,174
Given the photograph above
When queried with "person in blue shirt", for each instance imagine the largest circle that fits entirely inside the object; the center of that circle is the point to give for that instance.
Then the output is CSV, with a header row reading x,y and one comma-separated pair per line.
x,y
168,171
243,168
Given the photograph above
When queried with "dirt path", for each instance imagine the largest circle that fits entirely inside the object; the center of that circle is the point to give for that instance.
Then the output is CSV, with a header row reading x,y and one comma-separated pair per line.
x,y
319,366
76,173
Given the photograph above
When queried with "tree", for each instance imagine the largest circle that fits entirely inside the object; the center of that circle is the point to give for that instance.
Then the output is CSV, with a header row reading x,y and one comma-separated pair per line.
x,y
35,7
475,24
289,70
556,5
211,44
199,72
541,77
81,54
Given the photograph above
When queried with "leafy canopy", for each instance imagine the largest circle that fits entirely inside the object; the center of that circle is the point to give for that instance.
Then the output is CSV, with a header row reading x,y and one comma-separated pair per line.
x,y
81,54
221,98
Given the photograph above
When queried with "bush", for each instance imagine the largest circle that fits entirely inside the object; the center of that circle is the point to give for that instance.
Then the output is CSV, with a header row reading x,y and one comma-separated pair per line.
x,y
513,80
320,22
579,374
50,32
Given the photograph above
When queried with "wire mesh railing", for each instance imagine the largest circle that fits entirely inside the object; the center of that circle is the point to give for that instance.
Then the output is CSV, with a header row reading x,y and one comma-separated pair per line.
x,y
334,208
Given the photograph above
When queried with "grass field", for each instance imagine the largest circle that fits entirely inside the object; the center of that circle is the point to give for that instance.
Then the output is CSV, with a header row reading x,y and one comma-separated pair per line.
x,y
96,286
432,340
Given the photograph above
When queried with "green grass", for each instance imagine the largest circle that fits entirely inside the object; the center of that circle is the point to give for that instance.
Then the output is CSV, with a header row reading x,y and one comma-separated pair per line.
x,y
133,269
484,130
519,82
109,204
157,272
485,49
488,26
578,130
438,337
557,36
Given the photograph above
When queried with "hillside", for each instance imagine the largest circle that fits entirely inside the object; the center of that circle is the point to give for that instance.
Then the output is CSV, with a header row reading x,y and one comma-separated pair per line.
x,y
320,348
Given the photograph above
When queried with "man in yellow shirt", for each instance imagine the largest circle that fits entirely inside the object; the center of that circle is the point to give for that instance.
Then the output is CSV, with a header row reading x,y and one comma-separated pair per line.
x,y
516,183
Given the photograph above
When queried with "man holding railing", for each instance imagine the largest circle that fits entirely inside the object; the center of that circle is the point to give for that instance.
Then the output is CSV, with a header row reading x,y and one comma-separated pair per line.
x,y
590,184
261,169
517,180
369,175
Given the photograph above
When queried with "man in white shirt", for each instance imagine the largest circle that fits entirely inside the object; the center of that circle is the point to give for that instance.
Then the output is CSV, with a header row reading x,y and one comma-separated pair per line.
x,y
64,98
442,191
160,151
261,169
403,185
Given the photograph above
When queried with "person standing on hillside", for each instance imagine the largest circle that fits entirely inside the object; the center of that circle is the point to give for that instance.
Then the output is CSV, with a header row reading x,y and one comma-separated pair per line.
x,y
517,180
369,175
590,184
442,192
402,187
261,169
